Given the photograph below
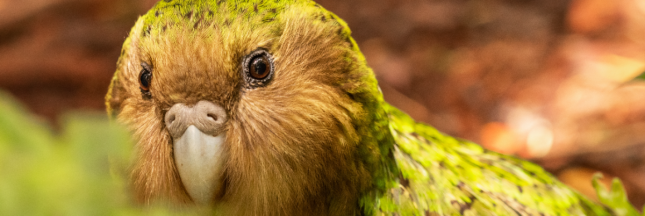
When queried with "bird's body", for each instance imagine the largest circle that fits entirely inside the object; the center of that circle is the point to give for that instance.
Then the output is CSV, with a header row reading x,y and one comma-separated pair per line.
x,y
448,176
293,123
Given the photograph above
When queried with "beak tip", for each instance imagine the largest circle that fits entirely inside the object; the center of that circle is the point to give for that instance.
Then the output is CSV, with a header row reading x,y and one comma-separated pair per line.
x,y
198,157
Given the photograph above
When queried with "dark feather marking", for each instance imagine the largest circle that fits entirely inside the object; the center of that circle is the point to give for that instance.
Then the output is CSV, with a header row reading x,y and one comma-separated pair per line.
x,y
389,154
403,181
351,96
464,206
147,31
199,22
460,185
349,40
518,208
516,212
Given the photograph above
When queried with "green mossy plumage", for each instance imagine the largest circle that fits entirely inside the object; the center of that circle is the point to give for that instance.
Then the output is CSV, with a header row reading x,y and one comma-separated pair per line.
x,y
447,176
415,169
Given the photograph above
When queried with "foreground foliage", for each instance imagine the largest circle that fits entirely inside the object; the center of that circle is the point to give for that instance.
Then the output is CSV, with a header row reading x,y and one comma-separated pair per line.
x,y
79,171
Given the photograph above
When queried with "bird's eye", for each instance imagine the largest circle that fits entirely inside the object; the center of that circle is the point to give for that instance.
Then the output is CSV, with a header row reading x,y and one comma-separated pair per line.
x,y
258,68
145,78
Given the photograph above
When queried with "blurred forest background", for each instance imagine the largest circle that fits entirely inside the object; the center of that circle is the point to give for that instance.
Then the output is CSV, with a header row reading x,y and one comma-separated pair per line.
x,y
547,80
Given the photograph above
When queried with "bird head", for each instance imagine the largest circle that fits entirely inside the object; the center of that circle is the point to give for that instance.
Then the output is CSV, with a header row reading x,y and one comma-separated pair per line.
x,y
257,107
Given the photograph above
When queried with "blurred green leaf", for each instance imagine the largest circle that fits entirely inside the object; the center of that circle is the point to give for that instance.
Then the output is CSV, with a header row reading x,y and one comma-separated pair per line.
x,y
615,197
81,171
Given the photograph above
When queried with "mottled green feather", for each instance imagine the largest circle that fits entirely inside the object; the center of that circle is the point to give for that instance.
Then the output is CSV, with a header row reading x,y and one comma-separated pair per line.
x,y
442,175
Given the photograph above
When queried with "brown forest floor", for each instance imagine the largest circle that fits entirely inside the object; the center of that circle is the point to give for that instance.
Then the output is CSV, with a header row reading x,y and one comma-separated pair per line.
x,y
548,80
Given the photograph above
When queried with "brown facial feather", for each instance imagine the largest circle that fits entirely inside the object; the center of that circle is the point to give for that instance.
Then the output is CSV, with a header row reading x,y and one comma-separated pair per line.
x,y
292,146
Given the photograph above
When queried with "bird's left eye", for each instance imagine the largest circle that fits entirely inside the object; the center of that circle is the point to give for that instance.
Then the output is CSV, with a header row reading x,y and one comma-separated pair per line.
x,y
258,68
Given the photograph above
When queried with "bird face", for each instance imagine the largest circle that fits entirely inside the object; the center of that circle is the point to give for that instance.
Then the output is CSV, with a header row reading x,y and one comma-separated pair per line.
x,y
255,107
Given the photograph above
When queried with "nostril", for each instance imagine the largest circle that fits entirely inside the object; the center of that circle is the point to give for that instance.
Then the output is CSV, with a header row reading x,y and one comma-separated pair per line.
x,y
171,119
212,116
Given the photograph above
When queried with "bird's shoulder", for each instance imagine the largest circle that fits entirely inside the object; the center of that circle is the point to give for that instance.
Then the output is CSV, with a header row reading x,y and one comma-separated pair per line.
x,y
442,175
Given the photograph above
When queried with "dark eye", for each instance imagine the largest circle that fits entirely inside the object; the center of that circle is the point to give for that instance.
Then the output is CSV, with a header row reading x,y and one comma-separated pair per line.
x,y
258,68
145,77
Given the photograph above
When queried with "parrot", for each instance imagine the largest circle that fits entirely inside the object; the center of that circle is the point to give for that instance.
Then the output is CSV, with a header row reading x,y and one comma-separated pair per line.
x,y
268,107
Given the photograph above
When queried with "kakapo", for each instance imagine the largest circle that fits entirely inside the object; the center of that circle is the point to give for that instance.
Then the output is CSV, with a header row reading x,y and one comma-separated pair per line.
x,y
268,107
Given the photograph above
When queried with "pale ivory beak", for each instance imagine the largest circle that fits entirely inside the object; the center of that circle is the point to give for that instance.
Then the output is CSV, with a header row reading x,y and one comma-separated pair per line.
x,y
199,137
198,157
